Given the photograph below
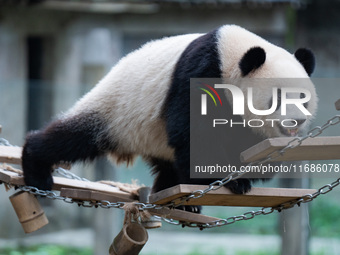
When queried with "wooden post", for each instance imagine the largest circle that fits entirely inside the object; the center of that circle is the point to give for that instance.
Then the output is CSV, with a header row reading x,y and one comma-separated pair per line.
x,y
130,240
295,223
337,105
29,211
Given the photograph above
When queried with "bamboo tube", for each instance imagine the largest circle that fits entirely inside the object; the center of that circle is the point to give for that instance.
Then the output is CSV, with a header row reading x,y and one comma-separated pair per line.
x,y
130,240
29,211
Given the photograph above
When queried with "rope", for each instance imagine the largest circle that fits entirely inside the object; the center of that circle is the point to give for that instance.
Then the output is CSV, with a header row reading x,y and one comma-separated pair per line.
x,y
126,187
132,213
11,169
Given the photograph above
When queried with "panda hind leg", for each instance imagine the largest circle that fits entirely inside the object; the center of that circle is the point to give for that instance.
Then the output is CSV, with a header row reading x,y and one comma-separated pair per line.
x,y
166,177
239,186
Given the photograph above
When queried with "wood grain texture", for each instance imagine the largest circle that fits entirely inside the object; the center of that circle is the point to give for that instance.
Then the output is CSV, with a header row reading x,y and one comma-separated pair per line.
x,y
29,211
60,182
257,197
11,155
182,215
318,148
82,194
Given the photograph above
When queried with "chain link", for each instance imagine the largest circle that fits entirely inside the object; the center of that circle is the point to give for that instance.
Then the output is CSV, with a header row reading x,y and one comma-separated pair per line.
x,y
84,203
4,142
69,175
265,210
200,193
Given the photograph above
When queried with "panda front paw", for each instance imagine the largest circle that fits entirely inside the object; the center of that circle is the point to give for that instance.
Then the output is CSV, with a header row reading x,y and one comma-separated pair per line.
x,y
42,182
240,186
37,172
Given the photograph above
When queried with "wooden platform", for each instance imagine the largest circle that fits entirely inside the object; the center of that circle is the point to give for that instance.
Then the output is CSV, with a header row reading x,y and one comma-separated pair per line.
x,y
257,197
60,182
318,148
81,190
79,194
11,155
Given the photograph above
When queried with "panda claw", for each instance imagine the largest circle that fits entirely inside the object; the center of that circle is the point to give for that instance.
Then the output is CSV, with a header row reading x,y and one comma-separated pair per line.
x,y
190,208
240,186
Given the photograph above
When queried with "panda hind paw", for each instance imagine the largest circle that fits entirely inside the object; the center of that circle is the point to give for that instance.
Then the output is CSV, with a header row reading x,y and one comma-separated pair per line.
x,y
190,208
240,186
42,182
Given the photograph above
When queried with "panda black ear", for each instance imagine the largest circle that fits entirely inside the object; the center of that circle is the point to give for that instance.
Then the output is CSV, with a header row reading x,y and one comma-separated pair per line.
x,y
252,59
306,58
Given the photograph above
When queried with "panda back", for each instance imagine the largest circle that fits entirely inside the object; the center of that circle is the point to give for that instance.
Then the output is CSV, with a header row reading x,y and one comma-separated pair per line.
x,y
130,97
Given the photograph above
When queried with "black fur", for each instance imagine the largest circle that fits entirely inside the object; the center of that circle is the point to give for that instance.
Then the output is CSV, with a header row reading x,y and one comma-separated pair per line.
x,y
306,58
166,177
252,59
66,140
199,60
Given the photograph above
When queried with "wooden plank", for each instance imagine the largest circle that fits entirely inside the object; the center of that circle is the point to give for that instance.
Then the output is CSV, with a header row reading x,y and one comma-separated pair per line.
x,y
257,197
337,105
164,212
182,215
11,155
11,177
82,194
318,148
60,182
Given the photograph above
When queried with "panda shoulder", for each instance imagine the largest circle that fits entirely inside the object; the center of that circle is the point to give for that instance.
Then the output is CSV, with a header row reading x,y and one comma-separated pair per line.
x,y
168,42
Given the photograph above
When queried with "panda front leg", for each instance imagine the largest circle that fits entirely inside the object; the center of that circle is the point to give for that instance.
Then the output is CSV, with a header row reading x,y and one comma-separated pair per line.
x,y
167,176
69,139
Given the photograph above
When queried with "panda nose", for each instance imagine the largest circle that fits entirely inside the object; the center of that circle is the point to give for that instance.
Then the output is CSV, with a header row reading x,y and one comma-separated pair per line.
x,y
300,121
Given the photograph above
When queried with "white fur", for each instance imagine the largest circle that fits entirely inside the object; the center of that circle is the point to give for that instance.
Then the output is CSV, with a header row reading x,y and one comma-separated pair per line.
x,y
132,94
283,69
130,97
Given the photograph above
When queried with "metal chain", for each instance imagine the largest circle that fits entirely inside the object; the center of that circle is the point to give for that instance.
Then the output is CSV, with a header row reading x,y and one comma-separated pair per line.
x,y
273,155
84,203
54,196
4,142
200,193
265,210
69,175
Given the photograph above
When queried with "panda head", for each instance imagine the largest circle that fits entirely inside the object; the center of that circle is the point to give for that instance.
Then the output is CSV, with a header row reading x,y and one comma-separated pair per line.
x,y
278,80
245,58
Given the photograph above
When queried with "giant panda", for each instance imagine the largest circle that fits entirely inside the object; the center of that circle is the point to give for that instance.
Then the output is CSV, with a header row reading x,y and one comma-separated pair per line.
x,y
141,107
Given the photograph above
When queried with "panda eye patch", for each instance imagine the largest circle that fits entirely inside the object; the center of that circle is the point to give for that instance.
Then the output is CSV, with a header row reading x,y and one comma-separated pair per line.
x,y
303,96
